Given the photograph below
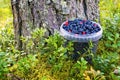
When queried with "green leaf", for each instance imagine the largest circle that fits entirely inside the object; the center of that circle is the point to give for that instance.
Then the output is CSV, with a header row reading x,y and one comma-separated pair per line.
x,y
83,61
114,46
108,45
118,43
44,78
2,54
78,62
61,54
117,35
111,39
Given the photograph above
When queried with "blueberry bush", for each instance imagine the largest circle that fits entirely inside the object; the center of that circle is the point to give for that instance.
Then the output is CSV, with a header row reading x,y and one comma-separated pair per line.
x,y
50,58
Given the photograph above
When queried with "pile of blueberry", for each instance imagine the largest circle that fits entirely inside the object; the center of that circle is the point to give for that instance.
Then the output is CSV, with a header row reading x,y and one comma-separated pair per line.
x,y
81,27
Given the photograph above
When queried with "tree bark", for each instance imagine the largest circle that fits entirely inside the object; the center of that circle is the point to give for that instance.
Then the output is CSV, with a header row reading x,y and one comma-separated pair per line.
x,y
31,14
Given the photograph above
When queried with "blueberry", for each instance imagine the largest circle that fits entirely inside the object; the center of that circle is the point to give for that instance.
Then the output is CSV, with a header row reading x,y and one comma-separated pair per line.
x,y
66,27
88,22
75,31
87,31
71,27
80,29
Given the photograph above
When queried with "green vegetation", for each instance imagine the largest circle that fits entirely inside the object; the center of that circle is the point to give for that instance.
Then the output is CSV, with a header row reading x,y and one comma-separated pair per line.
x,y
40,61
5,13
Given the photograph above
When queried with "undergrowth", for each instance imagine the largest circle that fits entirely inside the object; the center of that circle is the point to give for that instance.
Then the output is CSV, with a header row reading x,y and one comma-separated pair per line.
x,y
49,59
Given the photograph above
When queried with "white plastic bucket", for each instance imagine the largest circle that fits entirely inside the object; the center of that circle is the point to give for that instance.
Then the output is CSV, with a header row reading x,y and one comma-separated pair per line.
x,y
81,42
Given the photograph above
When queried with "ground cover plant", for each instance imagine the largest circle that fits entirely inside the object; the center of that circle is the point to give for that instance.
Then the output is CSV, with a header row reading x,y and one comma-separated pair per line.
x,y
40,61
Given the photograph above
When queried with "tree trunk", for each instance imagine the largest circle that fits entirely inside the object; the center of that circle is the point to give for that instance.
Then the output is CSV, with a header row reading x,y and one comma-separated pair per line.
x,y
31,14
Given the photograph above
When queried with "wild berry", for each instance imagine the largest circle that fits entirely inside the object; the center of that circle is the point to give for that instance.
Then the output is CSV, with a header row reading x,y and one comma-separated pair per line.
x,y
83,33
66,23
94,25
70,31
81,22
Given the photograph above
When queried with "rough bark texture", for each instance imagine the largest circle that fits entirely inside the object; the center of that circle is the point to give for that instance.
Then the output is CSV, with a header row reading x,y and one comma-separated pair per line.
x,y
30,14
